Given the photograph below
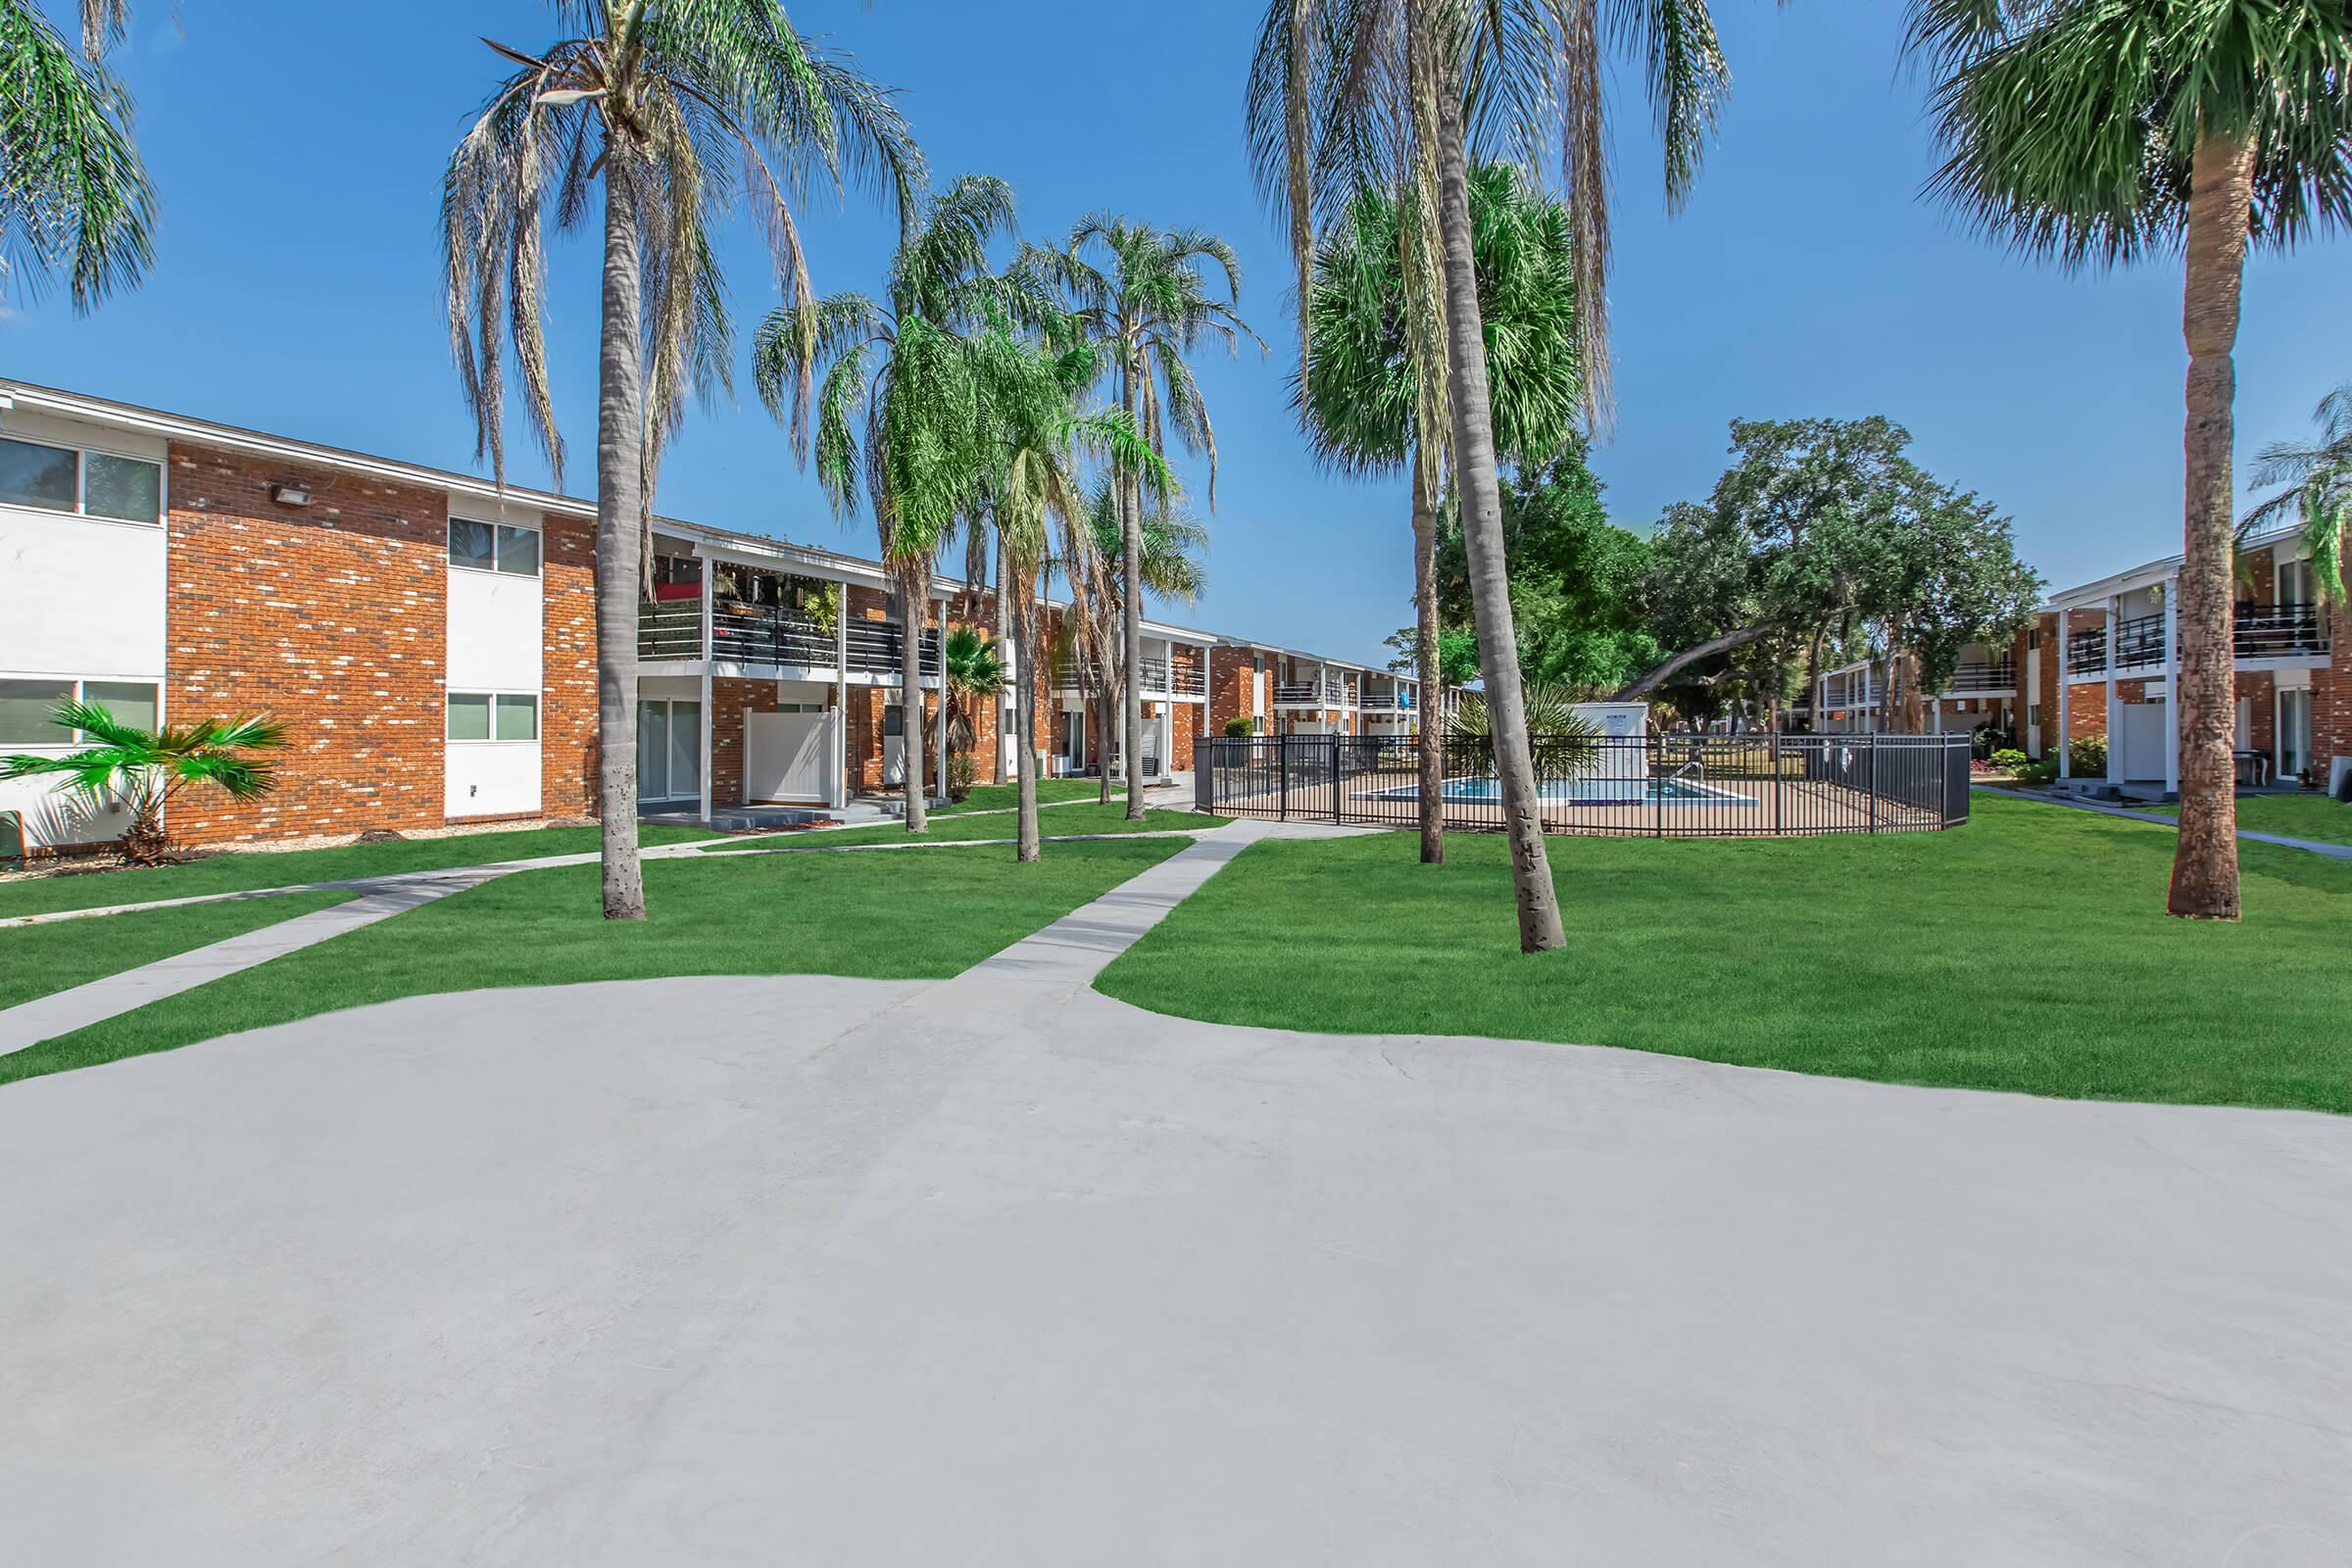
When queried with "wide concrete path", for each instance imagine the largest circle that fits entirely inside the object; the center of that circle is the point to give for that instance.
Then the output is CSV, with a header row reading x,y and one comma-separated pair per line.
x,y
1000,1271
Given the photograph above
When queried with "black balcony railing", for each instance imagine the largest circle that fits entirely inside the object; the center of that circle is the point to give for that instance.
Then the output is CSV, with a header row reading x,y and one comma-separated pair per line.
x,y
2261,632
1658,786
1980,678
878,648
770,636
671,630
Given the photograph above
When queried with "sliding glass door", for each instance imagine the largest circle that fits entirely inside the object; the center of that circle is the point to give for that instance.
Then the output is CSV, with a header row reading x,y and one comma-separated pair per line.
x,y
670,753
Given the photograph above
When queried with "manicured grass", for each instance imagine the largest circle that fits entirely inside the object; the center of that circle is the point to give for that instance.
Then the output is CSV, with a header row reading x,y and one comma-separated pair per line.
x,y
2309,815
2026,950
38,959
1062,820
1005,797
884,916
239,871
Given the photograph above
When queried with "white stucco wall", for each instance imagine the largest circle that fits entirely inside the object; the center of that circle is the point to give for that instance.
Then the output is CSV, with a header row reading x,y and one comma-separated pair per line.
x,y
491,778
496,631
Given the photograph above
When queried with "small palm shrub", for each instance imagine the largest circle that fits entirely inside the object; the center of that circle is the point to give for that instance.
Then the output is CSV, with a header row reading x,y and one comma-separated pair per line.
x,y
142,771
964,771
1562,740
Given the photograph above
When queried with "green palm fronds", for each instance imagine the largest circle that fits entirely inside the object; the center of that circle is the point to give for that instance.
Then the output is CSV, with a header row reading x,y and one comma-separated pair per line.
x,y
142,770
2316,491
74,192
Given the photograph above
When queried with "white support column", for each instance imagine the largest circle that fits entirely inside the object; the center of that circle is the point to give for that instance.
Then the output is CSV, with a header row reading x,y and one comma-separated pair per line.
x,y
2114,717
841,696
2171,688
2066,693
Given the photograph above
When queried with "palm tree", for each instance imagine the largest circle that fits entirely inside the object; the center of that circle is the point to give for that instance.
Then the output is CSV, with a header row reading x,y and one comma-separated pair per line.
x,y
1147,304
1401,95
907,373
971,673
2097,132
1358,396
675,106
74,192
143,771
2318,492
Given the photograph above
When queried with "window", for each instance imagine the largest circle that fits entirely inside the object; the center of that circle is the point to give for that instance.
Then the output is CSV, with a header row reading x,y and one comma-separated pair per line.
x,y
493,717
24,710
25,706
493,547
96,484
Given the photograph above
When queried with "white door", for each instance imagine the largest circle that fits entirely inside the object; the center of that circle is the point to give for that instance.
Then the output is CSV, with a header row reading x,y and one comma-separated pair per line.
x,y
790,755
2143,741
894,745
1257,695
2245,724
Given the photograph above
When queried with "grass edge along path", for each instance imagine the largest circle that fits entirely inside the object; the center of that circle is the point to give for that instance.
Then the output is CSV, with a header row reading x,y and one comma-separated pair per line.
x,y
877,916
2027,951
251,870
1050,792
980,826
43,959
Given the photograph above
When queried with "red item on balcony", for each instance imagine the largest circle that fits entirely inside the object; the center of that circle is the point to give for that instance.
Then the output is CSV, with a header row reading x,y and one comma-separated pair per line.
x,y
666,591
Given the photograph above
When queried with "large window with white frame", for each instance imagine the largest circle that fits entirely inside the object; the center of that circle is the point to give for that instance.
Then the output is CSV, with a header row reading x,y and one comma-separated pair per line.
x,y
493,717
2294,731
80,482
476,546
26,703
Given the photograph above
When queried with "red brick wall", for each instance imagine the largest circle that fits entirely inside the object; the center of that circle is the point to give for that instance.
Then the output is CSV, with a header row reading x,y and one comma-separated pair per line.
x,y
567,719
332,618
730,698
1230,675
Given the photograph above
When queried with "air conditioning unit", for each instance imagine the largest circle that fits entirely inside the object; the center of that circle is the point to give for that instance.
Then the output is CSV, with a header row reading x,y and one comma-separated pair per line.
x,y
12,838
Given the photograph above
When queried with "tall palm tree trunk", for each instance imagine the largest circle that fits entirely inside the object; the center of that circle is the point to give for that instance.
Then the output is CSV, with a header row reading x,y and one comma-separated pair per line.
x,y
1106,714
620,539
1020,655
1024,711
2205,858
1426,667
1131,610
911,591
1481,503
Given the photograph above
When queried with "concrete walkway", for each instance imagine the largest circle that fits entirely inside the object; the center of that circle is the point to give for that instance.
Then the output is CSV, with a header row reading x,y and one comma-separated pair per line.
x,y
1000,1271
2333,851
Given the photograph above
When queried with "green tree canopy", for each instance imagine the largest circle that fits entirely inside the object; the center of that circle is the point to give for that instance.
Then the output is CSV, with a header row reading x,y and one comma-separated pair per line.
x,y
1575,577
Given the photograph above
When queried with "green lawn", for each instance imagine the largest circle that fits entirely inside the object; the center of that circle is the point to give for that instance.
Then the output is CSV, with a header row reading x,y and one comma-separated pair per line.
x,y
239,871
1003,797
2026,950
1063,820
38,959
2309,815
885,916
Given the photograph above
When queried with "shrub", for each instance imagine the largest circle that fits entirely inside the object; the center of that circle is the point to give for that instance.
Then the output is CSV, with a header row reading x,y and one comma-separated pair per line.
x,y
964,771
2088,756
2044,771
2011,761
1240,726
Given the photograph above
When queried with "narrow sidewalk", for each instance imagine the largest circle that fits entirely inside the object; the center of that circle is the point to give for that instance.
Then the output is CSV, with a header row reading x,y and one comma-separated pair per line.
x,y
2333,851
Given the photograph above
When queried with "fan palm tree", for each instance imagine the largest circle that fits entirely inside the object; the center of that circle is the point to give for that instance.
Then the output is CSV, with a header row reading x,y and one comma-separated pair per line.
x,y
1359,395
74,192
900,410
1401,95
1145,297
2099,132
143,771
673,107
971,673
2318,492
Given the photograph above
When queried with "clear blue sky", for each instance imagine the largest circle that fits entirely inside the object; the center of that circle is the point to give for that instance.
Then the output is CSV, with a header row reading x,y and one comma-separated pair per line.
x,y
298,148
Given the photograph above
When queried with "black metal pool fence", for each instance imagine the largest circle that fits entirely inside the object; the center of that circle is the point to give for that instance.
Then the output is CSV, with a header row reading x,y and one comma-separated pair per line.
x,y
1657,786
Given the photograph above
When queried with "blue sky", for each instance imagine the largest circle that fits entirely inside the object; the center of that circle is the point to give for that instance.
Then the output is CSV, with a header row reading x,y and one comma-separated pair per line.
x,y
298,147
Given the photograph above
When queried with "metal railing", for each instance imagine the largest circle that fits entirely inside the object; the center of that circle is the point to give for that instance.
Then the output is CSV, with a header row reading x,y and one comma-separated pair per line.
x,y
2261,631
770,637
1308,693
673,629
1978,678
876,648
1660,786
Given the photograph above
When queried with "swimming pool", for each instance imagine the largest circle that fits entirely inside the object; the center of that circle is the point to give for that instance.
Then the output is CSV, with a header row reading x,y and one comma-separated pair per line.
x,y
1582,792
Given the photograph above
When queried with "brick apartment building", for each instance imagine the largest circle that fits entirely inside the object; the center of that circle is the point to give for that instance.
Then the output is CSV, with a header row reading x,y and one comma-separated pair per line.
x,y
2101,660
428,639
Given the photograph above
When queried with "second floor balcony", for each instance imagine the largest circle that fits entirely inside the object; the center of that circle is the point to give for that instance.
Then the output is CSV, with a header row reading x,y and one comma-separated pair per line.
x,y
773,638
1977,677
2261,632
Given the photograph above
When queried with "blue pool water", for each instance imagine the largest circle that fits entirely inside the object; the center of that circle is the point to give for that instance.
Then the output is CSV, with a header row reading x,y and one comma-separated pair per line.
x,y
1585,792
